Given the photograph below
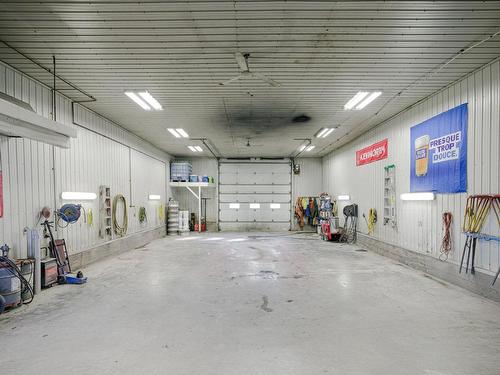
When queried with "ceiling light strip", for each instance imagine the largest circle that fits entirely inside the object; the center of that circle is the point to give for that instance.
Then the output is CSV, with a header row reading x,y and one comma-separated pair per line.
x,y
328,132
356,99
138,100
368,100
150,100
174,133
182,132
322,132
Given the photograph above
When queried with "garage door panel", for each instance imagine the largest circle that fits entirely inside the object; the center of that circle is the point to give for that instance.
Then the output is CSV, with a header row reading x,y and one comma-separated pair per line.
x,y
245,215
251,167
254,189
248,227
258,198
263,183
282,214
263,179
228,178
228,214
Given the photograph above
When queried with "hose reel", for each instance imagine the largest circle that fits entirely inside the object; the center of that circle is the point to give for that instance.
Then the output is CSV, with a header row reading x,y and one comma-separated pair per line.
x,y
70,213
120,229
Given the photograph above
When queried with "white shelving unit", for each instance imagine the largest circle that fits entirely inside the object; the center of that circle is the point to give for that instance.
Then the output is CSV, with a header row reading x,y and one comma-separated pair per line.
x,y
105,230
390,195
192,186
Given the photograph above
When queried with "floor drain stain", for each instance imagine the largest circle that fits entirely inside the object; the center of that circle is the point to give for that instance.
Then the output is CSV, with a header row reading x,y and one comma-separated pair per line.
x,y
265,304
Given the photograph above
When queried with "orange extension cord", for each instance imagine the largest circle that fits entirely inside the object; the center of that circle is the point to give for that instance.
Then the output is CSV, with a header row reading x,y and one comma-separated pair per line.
x,y
446,242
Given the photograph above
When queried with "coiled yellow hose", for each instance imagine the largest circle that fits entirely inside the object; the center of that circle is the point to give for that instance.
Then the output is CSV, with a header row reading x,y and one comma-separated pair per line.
x,y
120,230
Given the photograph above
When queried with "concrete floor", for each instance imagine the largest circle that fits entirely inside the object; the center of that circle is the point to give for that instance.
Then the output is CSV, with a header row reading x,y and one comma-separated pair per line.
x,y
237,304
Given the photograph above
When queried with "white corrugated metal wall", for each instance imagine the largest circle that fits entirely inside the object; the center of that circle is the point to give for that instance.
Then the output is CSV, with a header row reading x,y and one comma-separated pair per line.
x,y
34,174
419,223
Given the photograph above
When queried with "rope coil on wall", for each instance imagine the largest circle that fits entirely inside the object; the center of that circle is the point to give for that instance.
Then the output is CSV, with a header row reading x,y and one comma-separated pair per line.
x,y
120,229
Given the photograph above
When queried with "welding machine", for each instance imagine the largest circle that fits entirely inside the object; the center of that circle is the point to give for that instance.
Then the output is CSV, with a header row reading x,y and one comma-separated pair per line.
x,y
49,272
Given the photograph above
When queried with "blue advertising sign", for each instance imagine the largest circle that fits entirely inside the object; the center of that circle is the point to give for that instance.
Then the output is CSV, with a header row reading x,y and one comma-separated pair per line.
x,y
438,147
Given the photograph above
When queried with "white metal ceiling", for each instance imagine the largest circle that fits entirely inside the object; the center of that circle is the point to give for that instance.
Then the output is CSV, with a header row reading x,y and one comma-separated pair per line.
x,y
322,53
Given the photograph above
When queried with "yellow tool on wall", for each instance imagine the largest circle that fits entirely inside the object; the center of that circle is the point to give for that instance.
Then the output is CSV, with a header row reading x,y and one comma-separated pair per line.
x,y
90,217
161,212
372,219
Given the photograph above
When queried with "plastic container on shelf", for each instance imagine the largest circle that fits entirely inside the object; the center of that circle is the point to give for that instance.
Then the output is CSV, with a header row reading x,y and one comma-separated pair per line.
x,y
180,170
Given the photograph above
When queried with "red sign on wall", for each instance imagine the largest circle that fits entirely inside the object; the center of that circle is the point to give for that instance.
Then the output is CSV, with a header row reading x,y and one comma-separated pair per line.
x,y
376,151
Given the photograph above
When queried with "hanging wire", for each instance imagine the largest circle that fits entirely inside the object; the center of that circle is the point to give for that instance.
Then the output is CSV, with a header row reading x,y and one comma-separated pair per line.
x,y
446,242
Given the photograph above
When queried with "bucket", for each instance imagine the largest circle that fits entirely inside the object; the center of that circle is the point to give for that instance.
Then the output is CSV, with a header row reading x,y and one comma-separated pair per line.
x,y
10,286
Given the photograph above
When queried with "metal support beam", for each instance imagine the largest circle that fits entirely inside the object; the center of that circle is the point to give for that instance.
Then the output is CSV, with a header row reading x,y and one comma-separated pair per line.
x,y
197,196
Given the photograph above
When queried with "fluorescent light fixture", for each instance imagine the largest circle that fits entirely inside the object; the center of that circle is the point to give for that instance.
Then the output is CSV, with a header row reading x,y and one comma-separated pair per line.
x,y
150,100
355,100
302,148
138,100
275,205
195,148
417,196
254,205
324,132
328,133
18,121
309,148
154,197
234,205
174,133
182,132
371,98
344,197
321,132
78,196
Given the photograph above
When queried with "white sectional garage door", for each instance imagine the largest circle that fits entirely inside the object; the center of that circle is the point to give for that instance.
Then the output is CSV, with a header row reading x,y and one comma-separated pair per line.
x,y
255,195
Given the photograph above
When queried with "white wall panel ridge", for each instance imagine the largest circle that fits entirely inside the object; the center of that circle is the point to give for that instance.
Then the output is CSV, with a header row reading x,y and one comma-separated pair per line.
x,y
419,223
35,173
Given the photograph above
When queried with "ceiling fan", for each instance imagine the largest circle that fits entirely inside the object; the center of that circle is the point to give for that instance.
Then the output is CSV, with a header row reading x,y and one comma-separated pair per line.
x,y
252,145
242,60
